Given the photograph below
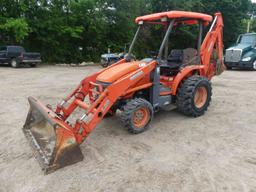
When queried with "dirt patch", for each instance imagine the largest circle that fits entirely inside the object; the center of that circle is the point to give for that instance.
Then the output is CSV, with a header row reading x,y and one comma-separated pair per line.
x,y
216,152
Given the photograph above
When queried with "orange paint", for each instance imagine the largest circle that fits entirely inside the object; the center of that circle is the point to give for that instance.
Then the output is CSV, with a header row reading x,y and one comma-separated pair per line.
x,y
122,80
175,15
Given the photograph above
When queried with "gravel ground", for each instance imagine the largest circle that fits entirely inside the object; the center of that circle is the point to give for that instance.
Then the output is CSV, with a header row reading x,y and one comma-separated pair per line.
x,y
216,152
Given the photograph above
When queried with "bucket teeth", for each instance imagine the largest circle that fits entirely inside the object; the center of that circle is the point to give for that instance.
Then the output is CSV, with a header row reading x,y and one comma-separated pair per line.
x,y
51,139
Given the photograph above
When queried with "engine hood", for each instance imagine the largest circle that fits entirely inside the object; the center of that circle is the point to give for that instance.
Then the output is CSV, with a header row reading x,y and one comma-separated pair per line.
x,y
114,73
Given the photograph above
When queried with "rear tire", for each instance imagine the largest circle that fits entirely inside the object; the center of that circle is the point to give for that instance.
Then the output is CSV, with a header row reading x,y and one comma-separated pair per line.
x,y
194,96
14,63
137,115
33,65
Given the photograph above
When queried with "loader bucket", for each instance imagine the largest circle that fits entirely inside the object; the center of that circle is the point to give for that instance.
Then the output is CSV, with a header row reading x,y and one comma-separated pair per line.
x,y
51,138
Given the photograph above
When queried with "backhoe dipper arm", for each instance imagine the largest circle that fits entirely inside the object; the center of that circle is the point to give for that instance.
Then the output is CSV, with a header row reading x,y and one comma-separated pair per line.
x,y
213,40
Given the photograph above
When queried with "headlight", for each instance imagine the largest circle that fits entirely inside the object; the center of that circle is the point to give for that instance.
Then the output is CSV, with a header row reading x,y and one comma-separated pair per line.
x,y
246,59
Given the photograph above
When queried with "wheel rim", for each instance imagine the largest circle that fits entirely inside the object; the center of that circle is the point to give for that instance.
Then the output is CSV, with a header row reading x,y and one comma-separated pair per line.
x,y
141,117
254,65
14,63
200,97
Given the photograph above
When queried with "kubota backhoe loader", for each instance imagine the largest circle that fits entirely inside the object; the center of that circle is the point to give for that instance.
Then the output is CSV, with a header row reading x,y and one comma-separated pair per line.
x,y
138,89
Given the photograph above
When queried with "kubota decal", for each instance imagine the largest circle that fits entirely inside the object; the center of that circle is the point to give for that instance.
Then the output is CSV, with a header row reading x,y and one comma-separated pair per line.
x,y
136,75
142,64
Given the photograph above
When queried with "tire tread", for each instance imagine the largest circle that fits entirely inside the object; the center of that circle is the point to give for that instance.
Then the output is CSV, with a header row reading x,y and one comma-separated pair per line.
x,y
185,96
129,108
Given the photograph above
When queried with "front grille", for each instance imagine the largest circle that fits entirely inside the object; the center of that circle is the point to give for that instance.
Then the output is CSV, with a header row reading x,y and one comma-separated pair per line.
x,y
233,55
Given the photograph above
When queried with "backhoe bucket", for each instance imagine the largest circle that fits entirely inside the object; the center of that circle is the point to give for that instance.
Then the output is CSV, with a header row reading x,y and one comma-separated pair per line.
x,y
51,138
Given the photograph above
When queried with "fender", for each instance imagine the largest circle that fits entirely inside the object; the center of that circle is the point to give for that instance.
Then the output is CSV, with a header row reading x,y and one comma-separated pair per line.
x,y
187,71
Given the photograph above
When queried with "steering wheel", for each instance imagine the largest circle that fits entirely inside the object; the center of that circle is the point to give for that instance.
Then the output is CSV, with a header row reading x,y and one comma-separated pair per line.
x,y
153,54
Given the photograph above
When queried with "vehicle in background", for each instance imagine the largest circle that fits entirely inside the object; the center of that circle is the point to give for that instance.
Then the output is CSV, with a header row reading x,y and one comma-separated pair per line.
x,y
16,56
110,58
243,53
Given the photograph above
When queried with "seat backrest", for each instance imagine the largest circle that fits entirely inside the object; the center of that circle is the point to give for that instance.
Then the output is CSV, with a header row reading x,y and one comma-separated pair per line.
x,y
176,55
190,56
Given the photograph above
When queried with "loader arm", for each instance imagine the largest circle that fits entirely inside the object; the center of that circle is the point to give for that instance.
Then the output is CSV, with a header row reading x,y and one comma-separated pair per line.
x,y
97,109
105,101
55,140
213,41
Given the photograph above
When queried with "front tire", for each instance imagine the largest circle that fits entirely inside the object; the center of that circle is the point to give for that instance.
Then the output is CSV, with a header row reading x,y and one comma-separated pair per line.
x,y
254,65
137,115
104,64
14,63
194,96
228,68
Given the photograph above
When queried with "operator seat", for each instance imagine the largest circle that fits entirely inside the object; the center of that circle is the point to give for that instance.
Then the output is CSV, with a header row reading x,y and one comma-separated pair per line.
x,y
173,63
177,59
190,57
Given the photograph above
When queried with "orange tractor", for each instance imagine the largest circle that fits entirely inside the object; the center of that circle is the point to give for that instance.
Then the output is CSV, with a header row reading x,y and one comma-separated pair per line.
x,y
138,89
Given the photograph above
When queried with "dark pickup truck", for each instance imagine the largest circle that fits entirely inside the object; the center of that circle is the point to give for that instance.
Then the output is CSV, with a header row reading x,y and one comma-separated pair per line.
x,y
16,56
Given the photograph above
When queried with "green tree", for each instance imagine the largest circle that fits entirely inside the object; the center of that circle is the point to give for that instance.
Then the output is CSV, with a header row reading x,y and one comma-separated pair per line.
x,y
15,30
57,28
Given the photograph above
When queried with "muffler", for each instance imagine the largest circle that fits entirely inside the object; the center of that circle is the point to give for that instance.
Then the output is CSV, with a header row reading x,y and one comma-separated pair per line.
x,y
52,139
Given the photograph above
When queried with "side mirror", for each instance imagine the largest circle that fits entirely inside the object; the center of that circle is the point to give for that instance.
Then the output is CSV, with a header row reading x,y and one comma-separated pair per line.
x,y
238,39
